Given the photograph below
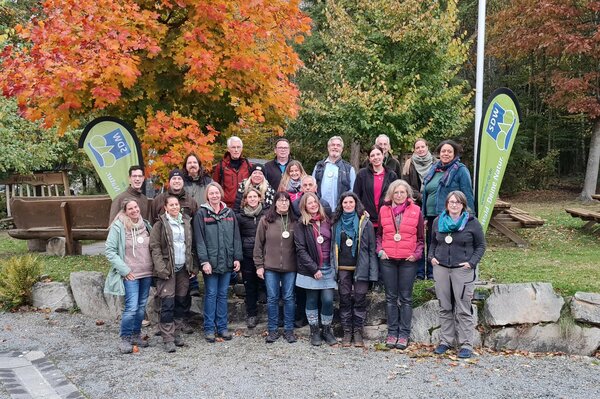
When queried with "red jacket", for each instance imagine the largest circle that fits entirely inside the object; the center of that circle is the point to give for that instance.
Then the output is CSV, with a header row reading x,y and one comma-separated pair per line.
x,y
411,232
229,178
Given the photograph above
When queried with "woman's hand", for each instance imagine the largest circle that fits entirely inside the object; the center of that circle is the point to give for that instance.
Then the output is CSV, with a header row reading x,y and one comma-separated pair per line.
x,y
130,277
318,275
260,273
435,262
411,258
383,255
236,265
207,268
465,265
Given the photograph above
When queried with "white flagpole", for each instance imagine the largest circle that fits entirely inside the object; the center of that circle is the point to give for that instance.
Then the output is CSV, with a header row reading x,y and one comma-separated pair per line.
x,y
479,81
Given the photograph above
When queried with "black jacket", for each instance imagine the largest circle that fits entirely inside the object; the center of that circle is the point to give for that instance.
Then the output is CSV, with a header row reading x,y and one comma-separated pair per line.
x,y
466,246
307,255
367,265
247,225
364,189
273,173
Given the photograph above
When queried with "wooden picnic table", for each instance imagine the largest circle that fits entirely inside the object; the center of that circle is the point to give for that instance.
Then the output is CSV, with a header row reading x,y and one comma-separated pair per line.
x,y
506,218
591,216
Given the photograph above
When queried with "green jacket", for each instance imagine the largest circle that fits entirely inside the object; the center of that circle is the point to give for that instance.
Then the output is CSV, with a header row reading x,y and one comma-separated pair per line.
x,y
115,253
217,238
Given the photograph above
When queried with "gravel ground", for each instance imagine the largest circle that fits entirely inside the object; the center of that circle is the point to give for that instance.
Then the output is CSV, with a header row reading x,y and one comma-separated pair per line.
x,y
246,367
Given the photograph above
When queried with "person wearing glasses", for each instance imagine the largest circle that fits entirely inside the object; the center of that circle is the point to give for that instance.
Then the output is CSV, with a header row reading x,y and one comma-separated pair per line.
x,y
400,239
446,175
457,246
274,169
275,260
135,191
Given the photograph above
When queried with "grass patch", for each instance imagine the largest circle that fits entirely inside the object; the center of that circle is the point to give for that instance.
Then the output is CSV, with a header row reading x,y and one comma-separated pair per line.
x,y
56,267
559,252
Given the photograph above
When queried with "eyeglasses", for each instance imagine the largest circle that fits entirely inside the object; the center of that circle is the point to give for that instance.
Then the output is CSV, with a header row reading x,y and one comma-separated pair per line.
x,y
282,148
283,200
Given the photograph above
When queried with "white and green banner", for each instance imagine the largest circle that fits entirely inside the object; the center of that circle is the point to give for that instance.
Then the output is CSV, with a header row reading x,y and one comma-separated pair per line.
x,y
497,134
113,147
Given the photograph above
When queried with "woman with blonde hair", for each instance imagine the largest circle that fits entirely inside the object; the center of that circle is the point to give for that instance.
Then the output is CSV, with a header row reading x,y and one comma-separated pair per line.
x,y
130,274
400,238
291,180
316,274
258,181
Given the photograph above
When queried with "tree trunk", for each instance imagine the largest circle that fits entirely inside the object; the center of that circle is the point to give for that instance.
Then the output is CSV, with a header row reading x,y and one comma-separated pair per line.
x,y
593,164
355,155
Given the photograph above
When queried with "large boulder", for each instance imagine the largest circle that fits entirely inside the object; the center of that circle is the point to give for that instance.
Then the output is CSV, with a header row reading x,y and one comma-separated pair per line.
x,y
426,323
585,307
570,339
526,303
375,308
53,295
88,290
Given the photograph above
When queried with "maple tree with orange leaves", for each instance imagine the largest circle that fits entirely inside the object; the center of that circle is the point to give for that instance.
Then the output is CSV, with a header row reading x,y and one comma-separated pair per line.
x,y
182,70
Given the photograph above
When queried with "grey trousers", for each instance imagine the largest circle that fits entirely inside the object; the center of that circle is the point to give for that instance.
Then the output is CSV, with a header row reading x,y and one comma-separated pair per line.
x,y
454,289
172,293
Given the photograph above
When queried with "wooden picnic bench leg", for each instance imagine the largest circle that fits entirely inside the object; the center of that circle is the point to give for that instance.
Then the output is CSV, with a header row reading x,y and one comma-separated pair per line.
x,y
66,221
589,226
514,237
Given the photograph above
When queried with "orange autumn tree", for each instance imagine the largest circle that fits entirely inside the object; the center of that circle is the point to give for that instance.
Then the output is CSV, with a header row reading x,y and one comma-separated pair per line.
x,y
182,70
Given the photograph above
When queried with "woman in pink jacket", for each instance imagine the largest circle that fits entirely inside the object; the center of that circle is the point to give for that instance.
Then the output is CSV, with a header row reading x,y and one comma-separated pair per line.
x,y
400,239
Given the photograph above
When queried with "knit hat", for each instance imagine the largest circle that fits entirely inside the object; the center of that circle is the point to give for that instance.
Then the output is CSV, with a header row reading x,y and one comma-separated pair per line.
x,y
175,172
258,167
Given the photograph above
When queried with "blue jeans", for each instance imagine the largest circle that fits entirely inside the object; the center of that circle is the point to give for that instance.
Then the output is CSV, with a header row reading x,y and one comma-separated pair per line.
x,y
136,296
284,283
216,287
312,306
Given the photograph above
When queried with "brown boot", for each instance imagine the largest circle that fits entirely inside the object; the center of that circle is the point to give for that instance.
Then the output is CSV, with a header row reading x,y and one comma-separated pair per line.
x,y
358,338
347,339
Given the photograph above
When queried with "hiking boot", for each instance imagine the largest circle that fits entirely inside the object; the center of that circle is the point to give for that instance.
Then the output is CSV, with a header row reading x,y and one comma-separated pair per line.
x,y
289,336
328,335
226,335
300,323
402,343
125,345
179,340
358,338
347,339
210,337
272,336
465,353
251,321
315,335
136,339
390,341
441,349
170,347
187,329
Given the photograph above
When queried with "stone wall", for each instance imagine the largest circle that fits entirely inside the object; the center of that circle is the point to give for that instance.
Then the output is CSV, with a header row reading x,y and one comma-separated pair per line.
x,y
527,316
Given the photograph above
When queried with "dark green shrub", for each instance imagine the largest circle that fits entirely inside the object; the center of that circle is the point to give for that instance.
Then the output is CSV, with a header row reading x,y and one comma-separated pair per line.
x,y
17,277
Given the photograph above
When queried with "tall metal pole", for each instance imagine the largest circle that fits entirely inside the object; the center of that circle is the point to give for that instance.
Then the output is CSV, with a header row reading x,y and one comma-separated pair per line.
x,y
479,79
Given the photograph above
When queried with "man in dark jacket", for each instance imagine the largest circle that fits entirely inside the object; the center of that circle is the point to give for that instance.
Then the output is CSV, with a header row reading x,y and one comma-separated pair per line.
x,y
334,175
188,204
389,161
136,182
274,168
195,178
309,185
231,170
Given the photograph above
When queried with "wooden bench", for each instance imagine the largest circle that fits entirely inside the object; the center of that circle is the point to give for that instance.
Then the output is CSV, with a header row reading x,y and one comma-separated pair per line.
x,y
524,218
596,196
74,218
592,217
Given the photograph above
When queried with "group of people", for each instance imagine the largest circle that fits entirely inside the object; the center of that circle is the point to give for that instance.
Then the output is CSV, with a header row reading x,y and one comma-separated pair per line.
x,y
301,237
